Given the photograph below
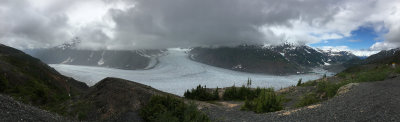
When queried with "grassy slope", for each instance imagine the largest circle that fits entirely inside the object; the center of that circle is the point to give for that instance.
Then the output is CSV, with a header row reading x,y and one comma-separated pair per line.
x,y
326,88
29,80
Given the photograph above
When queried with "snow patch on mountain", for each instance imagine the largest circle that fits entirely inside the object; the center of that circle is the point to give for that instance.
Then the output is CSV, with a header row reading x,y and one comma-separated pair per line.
x,y
336,49
307,51
101,61
68,60
283,54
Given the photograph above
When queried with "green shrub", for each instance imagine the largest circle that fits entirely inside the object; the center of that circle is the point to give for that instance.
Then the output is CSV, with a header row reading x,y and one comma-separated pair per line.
x,y
241,93
80,109
163,108
267,101
248,82
200,93
231,93
307,99
3,84
216,94
309,83
328,88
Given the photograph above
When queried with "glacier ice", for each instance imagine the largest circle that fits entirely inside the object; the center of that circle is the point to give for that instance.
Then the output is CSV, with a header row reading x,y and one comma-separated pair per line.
x,y
175,73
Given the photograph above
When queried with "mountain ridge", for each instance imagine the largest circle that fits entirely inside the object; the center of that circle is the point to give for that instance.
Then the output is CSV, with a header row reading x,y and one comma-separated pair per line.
x,y
68,53
281,60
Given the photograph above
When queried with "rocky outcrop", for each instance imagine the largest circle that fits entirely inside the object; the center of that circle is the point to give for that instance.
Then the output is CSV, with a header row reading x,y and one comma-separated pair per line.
x,y
346,88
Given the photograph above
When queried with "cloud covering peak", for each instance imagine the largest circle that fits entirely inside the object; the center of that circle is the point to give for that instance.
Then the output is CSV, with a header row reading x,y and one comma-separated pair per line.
x,y
134,24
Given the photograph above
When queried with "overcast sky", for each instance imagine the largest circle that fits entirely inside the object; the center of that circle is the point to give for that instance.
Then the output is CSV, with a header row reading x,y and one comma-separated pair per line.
x,y
138,24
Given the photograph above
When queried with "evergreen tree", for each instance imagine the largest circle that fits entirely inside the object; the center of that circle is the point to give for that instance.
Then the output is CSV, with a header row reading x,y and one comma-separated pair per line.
x,y
299,82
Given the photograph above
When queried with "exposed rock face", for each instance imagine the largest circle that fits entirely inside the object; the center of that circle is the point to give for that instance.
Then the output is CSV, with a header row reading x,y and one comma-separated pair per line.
x,y
346,88
118,99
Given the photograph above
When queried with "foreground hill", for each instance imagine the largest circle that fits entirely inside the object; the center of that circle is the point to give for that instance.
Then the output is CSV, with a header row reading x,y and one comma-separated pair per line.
x,y
111,99
373,101
281,59
114,99
31,81
12,110
34,83
367,92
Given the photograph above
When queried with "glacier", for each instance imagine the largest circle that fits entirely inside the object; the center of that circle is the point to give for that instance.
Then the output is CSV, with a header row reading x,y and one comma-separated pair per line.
x,y
175,73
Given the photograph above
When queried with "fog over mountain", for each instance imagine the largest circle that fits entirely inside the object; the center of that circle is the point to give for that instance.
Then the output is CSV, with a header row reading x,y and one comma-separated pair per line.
x,y
145,24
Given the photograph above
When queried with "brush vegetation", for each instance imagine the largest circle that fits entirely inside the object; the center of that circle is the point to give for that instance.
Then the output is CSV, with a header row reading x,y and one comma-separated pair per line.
x,y
171,109
358,74
266,101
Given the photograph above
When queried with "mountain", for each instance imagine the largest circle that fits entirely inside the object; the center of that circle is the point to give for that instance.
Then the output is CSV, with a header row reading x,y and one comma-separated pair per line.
x,y
67,53
384,57
281,59
306,56
247,58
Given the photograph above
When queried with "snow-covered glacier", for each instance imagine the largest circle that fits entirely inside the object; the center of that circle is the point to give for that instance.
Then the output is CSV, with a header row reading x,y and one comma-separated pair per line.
x,y
175,73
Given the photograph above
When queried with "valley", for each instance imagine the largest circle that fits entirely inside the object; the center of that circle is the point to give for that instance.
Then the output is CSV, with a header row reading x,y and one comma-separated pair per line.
x,y
175,73
199,60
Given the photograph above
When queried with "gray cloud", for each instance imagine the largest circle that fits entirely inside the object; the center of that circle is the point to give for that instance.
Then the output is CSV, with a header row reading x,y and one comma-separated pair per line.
x,y
132,24
23,26
191,22
157,23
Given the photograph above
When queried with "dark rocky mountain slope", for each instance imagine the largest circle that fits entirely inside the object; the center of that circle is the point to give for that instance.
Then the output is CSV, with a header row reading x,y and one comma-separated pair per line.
x,y
253,59
281,59
121,59
385,57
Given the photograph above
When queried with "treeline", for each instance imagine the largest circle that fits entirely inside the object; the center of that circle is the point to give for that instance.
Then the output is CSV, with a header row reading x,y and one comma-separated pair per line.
x,y
258,99
201,93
